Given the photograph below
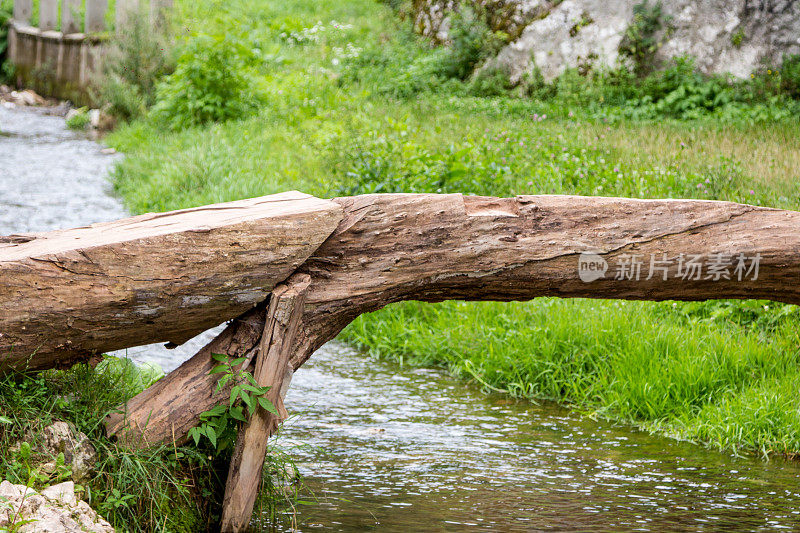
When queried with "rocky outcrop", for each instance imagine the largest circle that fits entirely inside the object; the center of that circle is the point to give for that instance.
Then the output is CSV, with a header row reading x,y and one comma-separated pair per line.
x,y
431,17
55,509
735,36
79,454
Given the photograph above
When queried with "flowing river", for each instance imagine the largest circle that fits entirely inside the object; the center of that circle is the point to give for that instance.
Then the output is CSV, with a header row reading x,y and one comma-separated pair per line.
x,y
386,448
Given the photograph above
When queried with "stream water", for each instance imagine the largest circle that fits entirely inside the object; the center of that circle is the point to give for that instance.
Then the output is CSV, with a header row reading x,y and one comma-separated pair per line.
x,y
386,448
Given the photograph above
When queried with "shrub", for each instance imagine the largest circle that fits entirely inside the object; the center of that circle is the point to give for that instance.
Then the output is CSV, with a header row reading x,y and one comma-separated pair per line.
x,y
790,75
471,42
5,16
492,81
136,61
639,42
214,81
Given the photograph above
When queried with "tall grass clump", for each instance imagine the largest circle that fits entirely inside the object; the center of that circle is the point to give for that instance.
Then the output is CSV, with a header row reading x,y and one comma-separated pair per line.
x,y
137,59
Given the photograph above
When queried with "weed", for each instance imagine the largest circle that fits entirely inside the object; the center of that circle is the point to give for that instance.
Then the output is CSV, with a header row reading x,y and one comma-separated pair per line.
x,y
639,41
79,120
214,80
137,59
219,424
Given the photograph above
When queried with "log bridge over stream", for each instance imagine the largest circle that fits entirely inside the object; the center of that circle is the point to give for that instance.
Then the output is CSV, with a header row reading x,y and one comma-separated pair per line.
x,y
289,271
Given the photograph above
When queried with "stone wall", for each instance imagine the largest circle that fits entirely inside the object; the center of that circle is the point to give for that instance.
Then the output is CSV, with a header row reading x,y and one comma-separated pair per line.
x,y
735,36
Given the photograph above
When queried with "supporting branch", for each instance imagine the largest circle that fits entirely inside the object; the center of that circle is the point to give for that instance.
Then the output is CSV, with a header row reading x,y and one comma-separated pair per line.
x,y
271,368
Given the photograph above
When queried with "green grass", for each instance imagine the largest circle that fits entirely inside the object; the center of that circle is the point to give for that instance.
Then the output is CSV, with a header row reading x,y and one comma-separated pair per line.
x,y
360,108
161,489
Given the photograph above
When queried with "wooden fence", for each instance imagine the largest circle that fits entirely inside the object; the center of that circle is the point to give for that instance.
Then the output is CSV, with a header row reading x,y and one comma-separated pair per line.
x,y
60,54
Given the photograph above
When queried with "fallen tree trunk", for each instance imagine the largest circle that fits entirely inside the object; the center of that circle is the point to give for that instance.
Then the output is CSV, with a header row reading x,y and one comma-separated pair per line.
x,y
429,247
66,295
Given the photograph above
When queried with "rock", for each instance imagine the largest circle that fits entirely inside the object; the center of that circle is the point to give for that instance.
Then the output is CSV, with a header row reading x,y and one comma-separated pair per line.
x,y
10,491
55,510
108,151
27,98
101,120
78,452
725,36
72,113
63,492
94,117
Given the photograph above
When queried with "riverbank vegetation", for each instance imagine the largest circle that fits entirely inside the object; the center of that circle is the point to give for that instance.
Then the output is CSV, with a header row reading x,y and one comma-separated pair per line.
x,y
157,489
342,98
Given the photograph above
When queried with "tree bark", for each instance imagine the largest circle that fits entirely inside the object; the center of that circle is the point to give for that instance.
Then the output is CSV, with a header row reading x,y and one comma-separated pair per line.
x,y
66,295
271,369
429,247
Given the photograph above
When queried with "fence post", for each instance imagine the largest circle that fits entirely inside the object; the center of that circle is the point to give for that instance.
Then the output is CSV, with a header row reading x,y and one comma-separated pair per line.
x,y
48,14
96,15
23,10
70,21
125,9
157,9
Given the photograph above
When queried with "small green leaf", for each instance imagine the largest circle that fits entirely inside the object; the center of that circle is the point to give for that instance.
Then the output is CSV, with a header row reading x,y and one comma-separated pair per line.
x,y
212,436
235,393
266,404
238,414
247,399
219,369
195,435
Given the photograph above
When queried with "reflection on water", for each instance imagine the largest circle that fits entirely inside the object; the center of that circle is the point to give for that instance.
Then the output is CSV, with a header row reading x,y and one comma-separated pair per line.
x,y
395,449
392,449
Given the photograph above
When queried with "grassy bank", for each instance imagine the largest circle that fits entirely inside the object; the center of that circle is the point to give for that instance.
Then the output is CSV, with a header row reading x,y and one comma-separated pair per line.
x,y
159,489
339,98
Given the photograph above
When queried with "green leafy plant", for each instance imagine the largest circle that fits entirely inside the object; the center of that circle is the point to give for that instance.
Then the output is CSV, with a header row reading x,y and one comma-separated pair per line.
x,y
219,423
214,81
78,120
471,42
115,499
790,75
5,15
639,42
138,58
738,38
